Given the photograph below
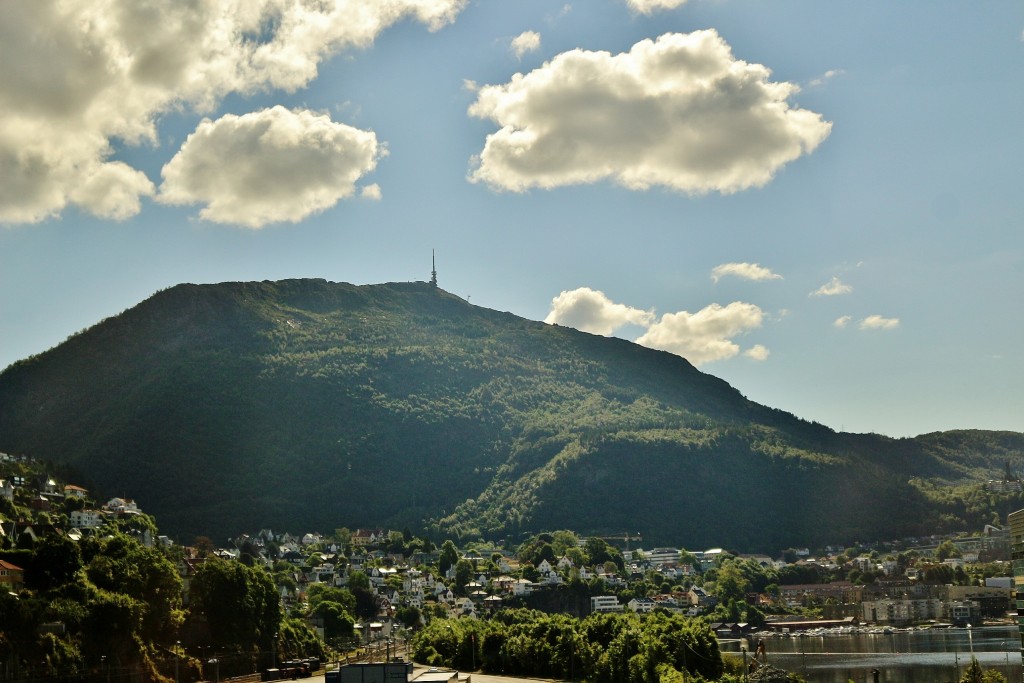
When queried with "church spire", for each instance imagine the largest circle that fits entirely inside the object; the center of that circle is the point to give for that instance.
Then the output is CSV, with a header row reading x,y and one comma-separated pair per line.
x,y
433,270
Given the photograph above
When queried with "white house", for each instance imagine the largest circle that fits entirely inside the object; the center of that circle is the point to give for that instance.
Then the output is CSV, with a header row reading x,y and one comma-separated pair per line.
x,y
642,605
85,519
605,603
72,491
121,505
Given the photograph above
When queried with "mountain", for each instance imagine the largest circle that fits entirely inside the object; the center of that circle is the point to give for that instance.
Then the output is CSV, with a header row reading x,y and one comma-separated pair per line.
x,y
306,404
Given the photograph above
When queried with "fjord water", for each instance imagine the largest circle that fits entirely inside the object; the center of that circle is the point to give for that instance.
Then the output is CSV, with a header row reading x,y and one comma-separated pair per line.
x,y
934,655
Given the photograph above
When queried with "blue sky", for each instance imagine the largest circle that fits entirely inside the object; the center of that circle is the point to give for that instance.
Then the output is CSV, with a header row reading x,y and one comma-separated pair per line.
x,y
819,202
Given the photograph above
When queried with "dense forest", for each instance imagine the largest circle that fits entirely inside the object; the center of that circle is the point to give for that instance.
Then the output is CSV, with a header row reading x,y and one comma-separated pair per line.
x,y
299,403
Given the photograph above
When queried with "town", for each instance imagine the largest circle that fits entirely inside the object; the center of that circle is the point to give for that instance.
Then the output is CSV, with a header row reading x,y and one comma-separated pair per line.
x,y
353,588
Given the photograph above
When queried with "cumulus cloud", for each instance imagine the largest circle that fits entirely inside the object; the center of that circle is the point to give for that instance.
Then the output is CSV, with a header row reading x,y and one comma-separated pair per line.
x,y
527,41
757,352
833,287
269,166
679,112
745,271
78,76
372,192
699,337
842,321
591,311
706,335
651,6
877,322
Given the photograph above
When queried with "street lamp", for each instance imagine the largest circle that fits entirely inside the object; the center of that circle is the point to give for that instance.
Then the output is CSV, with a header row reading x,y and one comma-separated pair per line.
x,y
970,640
177,659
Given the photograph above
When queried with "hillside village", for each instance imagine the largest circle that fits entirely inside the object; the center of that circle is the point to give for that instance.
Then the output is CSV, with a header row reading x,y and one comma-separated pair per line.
x,y
411,581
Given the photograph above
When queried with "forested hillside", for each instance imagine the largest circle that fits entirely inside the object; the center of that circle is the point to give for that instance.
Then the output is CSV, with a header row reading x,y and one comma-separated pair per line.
x,y
306,404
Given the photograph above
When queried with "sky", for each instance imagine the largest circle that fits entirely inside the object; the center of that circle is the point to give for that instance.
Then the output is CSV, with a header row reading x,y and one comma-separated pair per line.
x,y
818,202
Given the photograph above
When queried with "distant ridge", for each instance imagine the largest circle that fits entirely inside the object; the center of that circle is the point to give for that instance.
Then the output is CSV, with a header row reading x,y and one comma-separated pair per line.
x,y
306,404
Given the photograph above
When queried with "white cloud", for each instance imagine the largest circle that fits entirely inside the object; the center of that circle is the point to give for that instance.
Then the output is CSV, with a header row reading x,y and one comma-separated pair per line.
x,y
591,311
833,287
651,6
757,352
78,75
527,41
745,271
679,112
706,335
877,322
842,321
371,192
269,166
826,77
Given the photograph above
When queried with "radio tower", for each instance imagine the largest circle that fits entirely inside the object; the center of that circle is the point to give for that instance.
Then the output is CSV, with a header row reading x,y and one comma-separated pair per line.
x,y
433,270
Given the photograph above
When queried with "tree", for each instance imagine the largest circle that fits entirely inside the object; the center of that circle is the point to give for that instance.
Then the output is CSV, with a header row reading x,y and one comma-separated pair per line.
x,y
449,556
463,573
409,616
731,584
239,603
946,550
337,620
204,545
396,542
319,592
113,624
55,562
561,541
973,672
122,565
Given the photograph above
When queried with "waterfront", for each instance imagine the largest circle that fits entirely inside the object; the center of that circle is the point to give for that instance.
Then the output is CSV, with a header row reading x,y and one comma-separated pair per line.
x,y
920,656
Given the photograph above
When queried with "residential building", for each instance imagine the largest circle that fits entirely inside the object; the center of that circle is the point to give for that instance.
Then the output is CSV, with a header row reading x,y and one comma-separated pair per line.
x,y
121,506
661,556
806,594
12,577
72,491
86,519
367,537
605,603
901,612
642,605
709,558
992,601
700,599
963,613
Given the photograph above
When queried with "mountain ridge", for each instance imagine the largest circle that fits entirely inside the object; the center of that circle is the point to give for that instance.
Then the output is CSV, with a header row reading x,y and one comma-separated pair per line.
x,y
309,403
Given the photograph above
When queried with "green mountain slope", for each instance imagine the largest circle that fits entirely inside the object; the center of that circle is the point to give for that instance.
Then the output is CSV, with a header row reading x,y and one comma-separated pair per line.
x,y
304,404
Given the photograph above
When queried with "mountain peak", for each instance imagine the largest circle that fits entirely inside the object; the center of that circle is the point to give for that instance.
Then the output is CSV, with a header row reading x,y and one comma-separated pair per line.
x,y
307,403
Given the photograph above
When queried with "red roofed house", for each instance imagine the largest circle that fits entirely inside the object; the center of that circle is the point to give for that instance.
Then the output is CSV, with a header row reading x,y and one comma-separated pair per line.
x,y
11,576
72,491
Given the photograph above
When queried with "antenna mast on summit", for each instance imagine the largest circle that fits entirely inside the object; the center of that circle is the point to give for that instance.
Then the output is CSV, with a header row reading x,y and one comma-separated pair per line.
x,y
433,269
